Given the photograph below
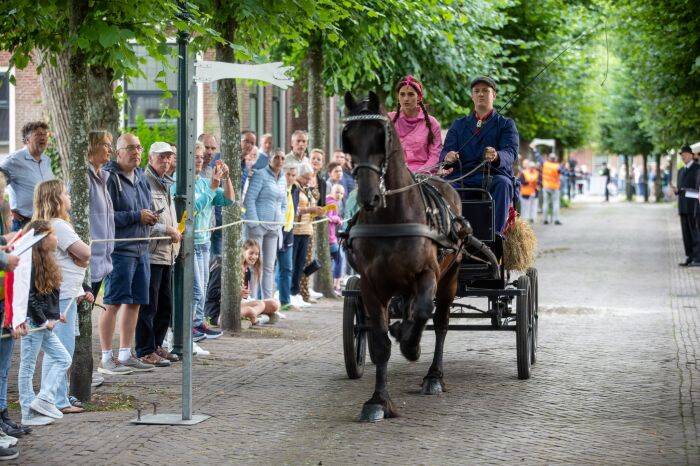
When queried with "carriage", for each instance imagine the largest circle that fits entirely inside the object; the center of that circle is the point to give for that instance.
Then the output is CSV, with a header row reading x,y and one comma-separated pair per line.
x,y
511,305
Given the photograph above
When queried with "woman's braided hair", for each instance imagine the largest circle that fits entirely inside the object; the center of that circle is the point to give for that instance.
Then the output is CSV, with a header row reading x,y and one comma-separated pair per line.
x,y
405,82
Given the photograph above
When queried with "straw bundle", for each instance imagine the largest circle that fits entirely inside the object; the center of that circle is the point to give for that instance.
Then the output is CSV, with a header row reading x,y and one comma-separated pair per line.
x,y
519,247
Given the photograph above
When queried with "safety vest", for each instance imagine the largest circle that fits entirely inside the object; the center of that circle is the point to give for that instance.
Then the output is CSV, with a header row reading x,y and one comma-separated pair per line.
x,y
550,175
530,178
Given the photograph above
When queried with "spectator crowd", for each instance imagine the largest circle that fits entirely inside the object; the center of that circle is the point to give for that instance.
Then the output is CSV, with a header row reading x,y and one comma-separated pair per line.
x,y
134,243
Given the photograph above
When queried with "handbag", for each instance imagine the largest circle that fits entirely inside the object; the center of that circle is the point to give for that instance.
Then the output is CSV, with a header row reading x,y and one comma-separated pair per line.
x,y
312,267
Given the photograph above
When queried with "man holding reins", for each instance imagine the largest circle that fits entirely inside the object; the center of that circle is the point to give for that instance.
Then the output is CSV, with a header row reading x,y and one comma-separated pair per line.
x,y
484,135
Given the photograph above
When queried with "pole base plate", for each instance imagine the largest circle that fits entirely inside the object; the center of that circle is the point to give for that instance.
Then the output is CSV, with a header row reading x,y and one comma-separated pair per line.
x,y
168,419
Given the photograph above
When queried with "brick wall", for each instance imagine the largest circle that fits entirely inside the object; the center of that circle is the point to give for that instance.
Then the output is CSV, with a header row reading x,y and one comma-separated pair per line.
x,y
28,105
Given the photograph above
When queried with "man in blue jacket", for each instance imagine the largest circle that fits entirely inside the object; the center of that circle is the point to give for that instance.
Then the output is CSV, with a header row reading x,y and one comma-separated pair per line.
x,y
126,287
484,135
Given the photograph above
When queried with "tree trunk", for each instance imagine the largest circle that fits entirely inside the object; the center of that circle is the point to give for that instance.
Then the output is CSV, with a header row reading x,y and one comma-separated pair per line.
x,y
227,106
628,178
317,136
658,192
645,176
103,111
75,156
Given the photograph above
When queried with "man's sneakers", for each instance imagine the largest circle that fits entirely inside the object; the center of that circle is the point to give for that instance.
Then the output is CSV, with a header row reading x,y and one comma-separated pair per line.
x,y
165,354
8,453
155,360
113,367
6,421
45,408
7,441
197,335
557,222
198,350
136,365
207,331
315,294
97,380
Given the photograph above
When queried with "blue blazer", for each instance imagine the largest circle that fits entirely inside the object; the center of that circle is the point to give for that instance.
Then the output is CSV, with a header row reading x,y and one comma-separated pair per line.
x,y
498,132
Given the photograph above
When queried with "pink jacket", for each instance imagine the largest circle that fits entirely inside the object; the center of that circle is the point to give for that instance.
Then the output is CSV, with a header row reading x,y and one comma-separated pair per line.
x,y
334,219
413,134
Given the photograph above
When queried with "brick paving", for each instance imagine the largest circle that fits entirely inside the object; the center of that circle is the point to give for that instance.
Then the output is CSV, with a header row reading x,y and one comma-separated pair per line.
x,y
616,379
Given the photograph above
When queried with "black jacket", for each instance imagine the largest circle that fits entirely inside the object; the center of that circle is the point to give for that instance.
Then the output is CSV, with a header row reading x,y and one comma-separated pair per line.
x,y
42,307
688,179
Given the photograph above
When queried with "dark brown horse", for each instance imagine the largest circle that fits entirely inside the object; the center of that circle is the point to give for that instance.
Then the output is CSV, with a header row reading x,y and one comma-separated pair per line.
x,y
392,256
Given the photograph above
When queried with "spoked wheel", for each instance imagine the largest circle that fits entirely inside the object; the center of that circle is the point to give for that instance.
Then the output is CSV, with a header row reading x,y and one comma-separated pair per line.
x,y
523,328
354,333
534,309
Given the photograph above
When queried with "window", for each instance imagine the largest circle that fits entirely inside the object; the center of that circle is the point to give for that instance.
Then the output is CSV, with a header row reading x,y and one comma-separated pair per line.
x,y
143,96
253,111
4,113
277,137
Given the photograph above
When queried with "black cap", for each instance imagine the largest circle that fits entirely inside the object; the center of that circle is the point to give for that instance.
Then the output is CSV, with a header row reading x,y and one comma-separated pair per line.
x,y
485,80
686,148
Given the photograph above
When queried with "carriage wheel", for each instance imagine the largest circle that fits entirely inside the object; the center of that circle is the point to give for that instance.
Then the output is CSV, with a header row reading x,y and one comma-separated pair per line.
x,y
354,333
523,328
534,310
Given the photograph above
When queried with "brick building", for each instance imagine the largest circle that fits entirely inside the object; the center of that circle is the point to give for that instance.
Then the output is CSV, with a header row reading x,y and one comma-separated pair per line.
x,y
262,109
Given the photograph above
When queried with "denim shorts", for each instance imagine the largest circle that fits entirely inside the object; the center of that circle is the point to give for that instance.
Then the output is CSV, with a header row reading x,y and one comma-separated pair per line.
x,y
129,280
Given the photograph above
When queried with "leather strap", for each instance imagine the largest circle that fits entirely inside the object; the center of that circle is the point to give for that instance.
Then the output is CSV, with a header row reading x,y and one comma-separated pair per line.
x,y
397,230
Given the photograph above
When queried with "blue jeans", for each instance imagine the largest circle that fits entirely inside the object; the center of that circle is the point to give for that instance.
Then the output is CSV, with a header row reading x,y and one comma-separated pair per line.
x,y
59,363
283,276
6,346
66,333
201,280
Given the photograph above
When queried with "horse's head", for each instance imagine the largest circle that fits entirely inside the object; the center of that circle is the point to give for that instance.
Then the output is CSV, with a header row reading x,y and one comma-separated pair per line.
x,y
364,138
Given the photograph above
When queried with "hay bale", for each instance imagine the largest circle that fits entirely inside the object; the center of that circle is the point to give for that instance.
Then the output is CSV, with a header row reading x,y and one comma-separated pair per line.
x,y
520,246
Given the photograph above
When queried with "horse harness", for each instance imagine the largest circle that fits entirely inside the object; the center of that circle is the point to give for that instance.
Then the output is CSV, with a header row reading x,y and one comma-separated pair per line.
x,y
441,221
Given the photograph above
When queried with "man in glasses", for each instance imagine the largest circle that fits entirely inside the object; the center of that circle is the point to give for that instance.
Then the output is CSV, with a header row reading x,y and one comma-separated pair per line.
x,y
484,135
126,288
25,169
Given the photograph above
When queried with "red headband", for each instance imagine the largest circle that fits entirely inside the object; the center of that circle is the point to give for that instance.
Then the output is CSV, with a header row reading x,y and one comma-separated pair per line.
x,y
414,83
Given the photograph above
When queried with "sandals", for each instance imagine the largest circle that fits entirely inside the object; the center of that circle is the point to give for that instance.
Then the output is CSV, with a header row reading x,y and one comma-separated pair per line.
x,y
72,410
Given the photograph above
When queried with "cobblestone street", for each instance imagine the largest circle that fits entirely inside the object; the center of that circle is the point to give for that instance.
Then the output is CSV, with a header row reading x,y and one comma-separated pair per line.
x,y
616,379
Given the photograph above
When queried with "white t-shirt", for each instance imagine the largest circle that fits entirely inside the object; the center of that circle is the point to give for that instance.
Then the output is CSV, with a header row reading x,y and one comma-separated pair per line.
x,y
73,275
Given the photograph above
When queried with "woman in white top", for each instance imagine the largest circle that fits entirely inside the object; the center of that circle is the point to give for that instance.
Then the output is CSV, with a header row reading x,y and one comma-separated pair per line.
x,y
52,203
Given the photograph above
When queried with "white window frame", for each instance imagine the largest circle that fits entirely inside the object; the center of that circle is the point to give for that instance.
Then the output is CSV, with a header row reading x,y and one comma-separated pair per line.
x,y
11,111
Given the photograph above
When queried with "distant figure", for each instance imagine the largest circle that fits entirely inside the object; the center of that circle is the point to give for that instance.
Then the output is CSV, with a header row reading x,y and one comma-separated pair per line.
x,y
605,172
551,182
688,207
529,179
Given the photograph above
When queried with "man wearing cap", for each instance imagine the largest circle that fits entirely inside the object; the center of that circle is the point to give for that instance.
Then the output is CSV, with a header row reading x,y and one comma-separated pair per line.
x,y
688,207
154,317
484,135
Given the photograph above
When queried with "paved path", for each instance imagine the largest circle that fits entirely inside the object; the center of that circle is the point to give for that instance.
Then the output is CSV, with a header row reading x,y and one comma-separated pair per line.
x,y
616,380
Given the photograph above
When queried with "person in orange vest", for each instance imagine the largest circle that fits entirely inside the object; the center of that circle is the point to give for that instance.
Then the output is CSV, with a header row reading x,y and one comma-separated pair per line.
x,y
551,182
529,178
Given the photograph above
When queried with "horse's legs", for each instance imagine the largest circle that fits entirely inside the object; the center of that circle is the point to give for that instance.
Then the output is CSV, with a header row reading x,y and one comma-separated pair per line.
x,y
433,383
379,405
412,330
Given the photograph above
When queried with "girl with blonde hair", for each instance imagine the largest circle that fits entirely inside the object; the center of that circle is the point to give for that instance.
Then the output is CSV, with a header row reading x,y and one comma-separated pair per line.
x,y
52,204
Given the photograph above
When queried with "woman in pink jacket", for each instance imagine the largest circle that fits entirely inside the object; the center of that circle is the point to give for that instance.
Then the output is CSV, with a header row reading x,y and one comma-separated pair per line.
x,y
418,131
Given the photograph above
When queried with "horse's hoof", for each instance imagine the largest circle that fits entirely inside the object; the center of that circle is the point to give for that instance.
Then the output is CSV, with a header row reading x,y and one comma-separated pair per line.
x,y
372,413
410,352
431,386
395,330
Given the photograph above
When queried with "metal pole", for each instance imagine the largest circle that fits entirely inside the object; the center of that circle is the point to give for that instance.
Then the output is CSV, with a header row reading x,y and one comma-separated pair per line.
x,y
184,267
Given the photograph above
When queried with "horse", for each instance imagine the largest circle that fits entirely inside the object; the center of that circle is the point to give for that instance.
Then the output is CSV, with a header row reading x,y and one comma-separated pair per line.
x,y
395,252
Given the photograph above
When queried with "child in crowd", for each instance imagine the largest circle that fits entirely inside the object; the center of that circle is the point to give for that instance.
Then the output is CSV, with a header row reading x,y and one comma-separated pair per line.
x,y
258,311
334,221
52,203
35,306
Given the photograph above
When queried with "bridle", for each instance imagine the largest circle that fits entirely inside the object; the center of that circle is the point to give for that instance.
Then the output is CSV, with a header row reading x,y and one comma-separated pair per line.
x,y
381,169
